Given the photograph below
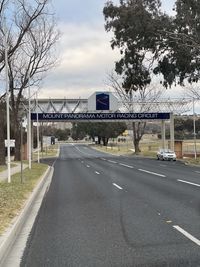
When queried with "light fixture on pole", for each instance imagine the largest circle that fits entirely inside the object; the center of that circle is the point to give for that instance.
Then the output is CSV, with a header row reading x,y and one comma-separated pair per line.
x,y
7,104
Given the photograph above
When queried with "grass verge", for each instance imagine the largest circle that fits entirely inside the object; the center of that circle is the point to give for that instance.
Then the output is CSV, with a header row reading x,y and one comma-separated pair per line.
x,y
50,151
114,150
14,195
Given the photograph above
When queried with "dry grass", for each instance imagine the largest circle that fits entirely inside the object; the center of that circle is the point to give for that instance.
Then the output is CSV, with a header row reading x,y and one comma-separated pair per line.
x,y
13,195
50,151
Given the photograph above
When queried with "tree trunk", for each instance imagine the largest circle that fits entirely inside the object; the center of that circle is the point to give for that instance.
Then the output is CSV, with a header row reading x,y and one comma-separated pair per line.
x,y
17,144
2,137
105,141
138,132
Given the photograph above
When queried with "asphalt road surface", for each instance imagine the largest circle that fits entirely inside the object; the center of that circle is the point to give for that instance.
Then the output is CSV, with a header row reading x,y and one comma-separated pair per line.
x,y
104,210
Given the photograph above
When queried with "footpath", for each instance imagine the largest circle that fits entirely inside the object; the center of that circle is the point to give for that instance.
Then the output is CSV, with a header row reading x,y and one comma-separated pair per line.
x,y
13,170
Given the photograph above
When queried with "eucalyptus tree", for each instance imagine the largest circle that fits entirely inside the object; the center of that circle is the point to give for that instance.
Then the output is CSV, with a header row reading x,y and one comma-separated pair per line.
x,y
136,25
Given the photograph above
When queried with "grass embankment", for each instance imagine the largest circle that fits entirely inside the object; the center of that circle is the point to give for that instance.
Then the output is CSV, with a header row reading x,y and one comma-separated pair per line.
x,y
13,195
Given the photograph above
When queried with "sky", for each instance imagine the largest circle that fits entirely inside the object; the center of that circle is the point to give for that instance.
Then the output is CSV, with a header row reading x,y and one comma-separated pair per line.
x,y
86,57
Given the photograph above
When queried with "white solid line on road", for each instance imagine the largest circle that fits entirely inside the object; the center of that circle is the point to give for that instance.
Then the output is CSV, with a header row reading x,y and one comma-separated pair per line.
x,y
97,172
116,185
187,182
122,164
103,159
154,173
88,166
111,161
186,234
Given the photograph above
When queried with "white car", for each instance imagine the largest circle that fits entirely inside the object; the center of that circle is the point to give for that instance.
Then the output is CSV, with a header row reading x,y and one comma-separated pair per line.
x,y
166,154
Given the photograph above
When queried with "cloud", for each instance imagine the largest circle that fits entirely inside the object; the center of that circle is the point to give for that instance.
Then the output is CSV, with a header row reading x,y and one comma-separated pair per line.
x,y
85,59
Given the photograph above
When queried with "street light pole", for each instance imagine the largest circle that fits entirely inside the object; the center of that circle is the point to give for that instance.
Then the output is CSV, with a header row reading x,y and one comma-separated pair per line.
x,y
194,127
38,145
29,123
7,106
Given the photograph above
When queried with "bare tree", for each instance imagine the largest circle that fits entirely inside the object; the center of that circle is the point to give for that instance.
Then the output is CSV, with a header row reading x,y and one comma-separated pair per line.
x,y
29,64
31,34
142,97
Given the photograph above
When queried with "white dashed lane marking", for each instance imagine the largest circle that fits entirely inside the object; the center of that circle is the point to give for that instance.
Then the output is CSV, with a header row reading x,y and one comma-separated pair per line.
x,y
154,173
186,234
128,166
116,185
187,182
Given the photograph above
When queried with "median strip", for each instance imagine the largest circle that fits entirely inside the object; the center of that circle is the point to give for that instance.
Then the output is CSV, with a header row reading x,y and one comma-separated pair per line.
x,y
186,234
154,173
187,182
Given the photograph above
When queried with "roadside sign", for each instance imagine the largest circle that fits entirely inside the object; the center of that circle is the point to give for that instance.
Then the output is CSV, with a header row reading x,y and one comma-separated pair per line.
x,y
12,143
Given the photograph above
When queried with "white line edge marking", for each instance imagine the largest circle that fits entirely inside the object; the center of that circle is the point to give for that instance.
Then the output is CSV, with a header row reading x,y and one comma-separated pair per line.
x,y
122,164
186,234
97,172
187,182
154,173
111,161
116,185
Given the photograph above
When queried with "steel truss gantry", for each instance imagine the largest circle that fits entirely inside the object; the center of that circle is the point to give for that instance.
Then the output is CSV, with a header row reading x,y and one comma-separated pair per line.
x,y
175,106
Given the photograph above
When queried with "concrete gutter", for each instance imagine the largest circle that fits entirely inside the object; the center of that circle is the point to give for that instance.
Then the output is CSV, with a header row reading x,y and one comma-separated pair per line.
x,y
8,239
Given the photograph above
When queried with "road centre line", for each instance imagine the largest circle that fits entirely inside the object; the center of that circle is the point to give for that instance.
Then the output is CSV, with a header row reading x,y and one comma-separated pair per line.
x,y
154,173
128,166
97,172
116,185
187,182
111,161
186,234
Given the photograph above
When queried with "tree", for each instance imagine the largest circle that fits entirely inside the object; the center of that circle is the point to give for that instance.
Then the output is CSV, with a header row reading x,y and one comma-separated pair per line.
x,y
102,130
182,59
145,96
30,42
136,25
2,131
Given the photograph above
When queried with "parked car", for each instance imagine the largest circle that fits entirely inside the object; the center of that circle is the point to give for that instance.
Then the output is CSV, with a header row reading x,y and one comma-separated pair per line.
x,y
166,154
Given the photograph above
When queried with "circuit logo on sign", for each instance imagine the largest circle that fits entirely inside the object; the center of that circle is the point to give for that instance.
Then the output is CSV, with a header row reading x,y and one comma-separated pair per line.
x,y
102,101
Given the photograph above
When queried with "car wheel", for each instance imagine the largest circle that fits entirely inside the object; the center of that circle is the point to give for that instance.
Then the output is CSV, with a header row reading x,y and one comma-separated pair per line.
x,y
157,158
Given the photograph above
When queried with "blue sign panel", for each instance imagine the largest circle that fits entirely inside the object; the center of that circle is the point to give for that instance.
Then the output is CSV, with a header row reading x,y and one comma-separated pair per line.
x,y
102,101
99,116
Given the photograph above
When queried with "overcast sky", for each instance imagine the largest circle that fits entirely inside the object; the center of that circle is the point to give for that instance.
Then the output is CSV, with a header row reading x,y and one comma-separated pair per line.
x,y
85,53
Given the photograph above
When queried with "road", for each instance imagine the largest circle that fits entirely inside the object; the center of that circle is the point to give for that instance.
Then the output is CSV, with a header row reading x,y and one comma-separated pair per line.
x,y
104,210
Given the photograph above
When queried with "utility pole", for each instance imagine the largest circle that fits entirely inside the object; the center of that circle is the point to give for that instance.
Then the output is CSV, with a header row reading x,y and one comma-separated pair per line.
x,y
7,104
38,141
29,123
194,127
